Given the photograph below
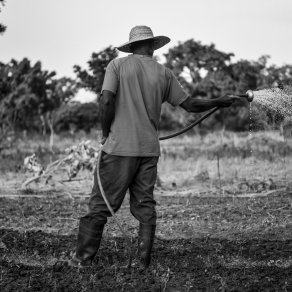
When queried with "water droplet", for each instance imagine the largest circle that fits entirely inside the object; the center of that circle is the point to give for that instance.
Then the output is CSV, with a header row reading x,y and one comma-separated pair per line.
x,y
250,127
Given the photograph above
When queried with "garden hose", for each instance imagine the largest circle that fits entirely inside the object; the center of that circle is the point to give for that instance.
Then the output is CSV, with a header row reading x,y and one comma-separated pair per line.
x,y
104,196
190,126
127,237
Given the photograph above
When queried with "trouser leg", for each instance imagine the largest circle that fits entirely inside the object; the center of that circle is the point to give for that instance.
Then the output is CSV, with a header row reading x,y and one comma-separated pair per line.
x,y
116,173
142,206
142,203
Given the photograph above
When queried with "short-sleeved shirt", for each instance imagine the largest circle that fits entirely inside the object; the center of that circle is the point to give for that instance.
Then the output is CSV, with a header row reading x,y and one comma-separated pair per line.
x,y
141,85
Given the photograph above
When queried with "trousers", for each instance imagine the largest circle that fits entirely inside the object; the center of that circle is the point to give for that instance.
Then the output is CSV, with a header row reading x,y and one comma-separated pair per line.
x,y
118,174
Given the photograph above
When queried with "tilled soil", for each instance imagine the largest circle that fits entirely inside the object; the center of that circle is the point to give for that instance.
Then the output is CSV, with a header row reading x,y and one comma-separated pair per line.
x,y
202,244
35,261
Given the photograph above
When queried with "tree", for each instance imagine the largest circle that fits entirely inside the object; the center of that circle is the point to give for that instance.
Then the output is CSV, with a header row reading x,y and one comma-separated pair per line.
x,y
197,60
58,92
28,93
76,116
93,78
202,71
2,26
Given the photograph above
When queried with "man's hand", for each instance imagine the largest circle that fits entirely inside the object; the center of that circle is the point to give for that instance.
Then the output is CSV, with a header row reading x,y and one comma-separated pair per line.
x,y
227,100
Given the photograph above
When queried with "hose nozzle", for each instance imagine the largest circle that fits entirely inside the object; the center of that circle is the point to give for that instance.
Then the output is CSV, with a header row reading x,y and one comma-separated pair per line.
x,y
249,95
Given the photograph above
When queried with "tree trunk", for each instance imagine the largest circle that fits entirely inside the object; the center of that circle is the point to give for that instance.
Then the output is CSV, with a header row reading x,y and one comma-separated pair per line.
x,y
43,120
50,123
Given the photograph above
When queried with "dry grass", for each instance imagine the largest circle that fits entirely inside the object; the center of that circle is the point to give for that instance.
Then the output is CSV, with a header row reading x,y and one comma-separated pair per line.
x,y
262,162
219,162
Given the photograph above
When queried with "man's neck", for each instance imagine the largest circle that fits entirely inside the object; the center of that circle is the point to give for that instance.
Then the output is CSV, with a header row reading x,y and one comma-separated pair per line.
x,y
143,52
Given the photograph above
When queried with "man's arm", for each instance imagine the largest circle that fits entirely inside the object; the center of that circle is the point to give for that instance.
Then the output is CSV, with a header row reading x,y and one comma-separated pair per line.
x,y
196,105
107,112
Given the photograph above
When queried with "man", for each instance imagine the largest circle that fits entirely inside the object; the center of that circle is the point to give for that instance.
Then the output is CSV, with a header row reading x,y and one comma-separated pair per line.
x,y
133,90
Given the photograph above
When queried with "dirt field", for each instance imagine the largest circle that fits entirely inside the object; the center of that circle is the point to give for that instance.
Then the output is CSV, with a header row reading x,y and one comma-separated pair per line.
x,y
224,222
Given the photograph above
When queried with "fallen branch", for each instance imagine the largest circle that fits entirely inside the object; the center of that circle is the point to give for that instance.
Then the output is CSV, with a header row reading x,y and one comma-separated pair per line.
x,y
250,195
82,156
30,180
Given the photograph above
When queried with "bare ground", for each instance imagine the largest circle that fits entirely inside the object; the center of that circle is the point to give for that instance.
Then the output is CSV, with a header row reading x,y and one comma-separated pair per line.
x,y
227,233
202,244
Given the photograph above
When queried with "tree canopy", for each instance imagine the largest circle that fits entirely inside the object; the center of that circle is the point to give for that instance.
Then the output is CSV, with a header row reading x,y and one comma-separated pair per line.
x,y
92,78
29,94
206,72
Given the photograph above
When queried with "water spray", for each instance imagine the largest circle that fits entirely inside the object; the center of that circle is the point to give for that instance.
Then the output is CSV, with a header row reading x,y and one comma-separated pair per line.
x,y
277,100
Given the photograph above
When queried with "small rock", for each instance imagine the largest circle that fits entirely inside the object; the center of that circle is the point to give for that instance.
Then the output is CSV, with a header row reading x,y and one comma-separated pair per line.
x,y
2,245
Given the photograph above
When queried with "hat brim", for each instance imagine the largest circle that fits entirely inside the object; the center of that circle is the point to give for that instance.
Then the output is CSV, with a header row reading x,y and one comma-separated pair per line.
x,y
159,42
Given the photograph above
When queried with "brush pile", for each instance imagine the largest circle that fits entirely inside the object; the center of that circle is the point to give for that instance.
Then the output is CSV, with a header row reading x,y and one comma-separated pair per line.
x,y
78,157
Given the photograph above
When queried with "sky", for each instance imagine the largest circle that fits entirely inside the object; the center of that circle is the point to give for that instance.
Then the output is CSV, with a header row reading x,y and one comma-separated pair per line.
x,y
62,33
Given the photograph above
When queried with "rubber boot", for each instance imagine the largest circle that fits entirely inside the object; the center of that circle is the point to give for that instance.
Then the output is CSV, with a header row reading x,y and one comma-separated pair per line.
x,y
88,242
145,242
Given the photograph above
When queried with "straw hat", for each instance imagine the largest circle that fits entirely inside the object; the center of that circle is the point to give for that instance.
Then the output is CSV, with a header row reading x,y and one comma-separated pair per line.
x,y
140,33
